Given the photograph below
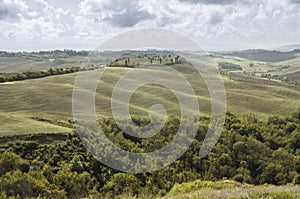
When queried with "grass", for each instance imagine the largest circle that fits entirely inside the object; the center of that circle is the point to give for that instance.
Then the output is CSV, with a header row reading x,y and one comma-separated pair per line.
x,y
17,124
291,62
231,190
21,64
226,189
198,184
50,98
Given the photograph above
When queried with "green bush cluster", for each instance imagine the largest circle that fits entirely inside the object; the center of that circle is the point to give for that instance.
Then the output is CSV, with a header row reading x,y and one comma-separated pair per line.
x,y
7,77
276,77
249,151
229,66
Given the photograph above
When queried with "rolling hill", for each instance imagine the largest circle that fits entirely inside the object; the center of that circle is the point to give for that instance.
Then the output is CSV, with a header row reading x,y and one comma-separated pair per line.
x,y
50,99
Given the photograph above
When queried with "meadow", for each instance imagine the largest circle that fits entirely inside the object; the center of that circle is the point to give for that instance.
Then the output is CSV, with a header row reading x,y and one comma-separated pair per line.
x,y
50,98
257,156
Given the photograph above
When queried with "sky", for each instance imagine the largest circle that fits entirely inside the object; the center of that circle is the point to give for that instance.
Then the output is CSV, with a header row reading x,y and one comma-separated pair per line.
x,y
84,24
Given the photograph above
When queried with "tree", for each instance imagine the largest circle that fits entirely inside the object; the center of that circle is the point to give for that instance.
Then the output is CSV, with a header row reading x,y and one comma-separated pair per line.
x,y
177,59
28,185
122,183
75,184
10,161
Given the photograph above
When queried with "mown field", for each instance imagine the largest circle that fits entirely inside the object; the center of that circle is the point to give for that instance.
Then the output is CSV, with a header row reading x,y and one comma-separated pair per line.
x,y
50,98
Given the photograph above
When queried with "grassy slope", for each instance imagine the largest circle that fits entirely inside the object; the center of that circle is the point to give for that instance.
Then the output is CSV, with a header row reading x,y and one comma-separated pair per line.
x,y
51,97
242,192
21,64
292,73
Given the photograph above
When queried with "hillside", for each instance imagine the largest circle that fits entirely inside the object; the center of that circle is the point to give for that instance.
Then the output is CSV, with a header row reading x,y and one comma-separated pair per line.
x,y
50,98
252,159
265,55
257,155
231,189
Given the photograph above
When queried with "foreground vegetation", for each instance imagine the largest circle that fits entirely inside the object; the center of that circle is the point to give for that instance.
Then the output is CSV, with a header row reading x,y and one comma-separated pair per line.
x,y
41,156
250,151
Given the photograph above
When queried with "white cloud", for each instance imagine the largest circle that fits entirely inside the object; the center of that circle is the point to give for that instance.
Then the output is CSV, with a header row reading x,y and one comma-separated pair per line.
x,y
33,19
242,21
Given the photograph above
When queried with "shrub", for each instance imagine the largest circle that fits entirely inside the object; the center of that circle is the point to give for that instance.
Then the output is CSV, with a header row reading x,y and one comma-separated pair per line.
x,y
122,183
296,179
238,178
10,161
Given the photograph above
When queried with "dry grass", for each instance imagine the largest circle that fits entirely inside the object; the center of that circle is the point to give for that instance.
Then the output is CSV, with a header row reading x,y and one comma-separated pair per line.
x,y
242,192
51,98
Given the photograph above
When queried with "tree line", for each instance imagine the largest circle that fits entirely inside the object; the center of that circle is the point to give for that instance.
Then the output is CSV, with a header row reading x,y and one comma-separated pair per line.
x,y
7,77
53,53
229,66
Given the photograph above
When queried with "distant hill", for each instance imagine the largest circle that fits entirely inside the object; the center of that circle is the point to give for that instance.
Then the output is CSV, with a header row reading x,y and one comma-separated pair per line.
x,y
287,48
264,55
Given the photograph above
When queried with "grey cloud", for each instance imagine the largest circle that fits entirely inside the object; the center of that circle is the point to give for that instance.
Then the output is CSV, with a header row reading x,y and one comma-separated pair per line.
x,y
215,19
4,13
119,13
8,12
295,1
129,18
221,2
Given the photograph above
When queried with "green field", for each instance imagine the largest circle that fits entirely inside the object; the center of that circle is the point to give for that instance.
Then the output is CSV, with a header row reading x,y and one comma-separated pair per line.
x,y
44,105
50,98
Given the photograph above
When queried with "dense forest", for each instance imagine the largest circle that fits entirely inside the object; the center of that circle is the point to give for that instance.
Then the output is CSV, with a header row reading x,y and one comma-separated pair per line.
x,y
249,151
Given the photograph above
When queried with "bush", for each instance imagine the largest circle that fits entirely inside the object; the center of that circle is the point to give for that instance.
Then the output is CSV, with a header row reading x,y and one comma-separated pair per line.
x,y
6,77
238,178
75,184
122,183
229,66
296,179
26,185
10,161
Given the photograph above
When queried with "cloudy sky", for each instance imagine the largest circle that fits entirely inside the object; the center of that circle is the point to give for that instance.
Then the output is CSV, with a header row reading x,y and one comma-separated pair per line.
x,y
84,24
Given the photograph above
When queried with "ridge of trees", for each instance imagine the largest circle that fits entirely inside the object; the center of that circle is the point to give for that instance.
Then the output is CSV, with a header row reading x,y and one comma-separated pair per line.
x,y
33,74
7,77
